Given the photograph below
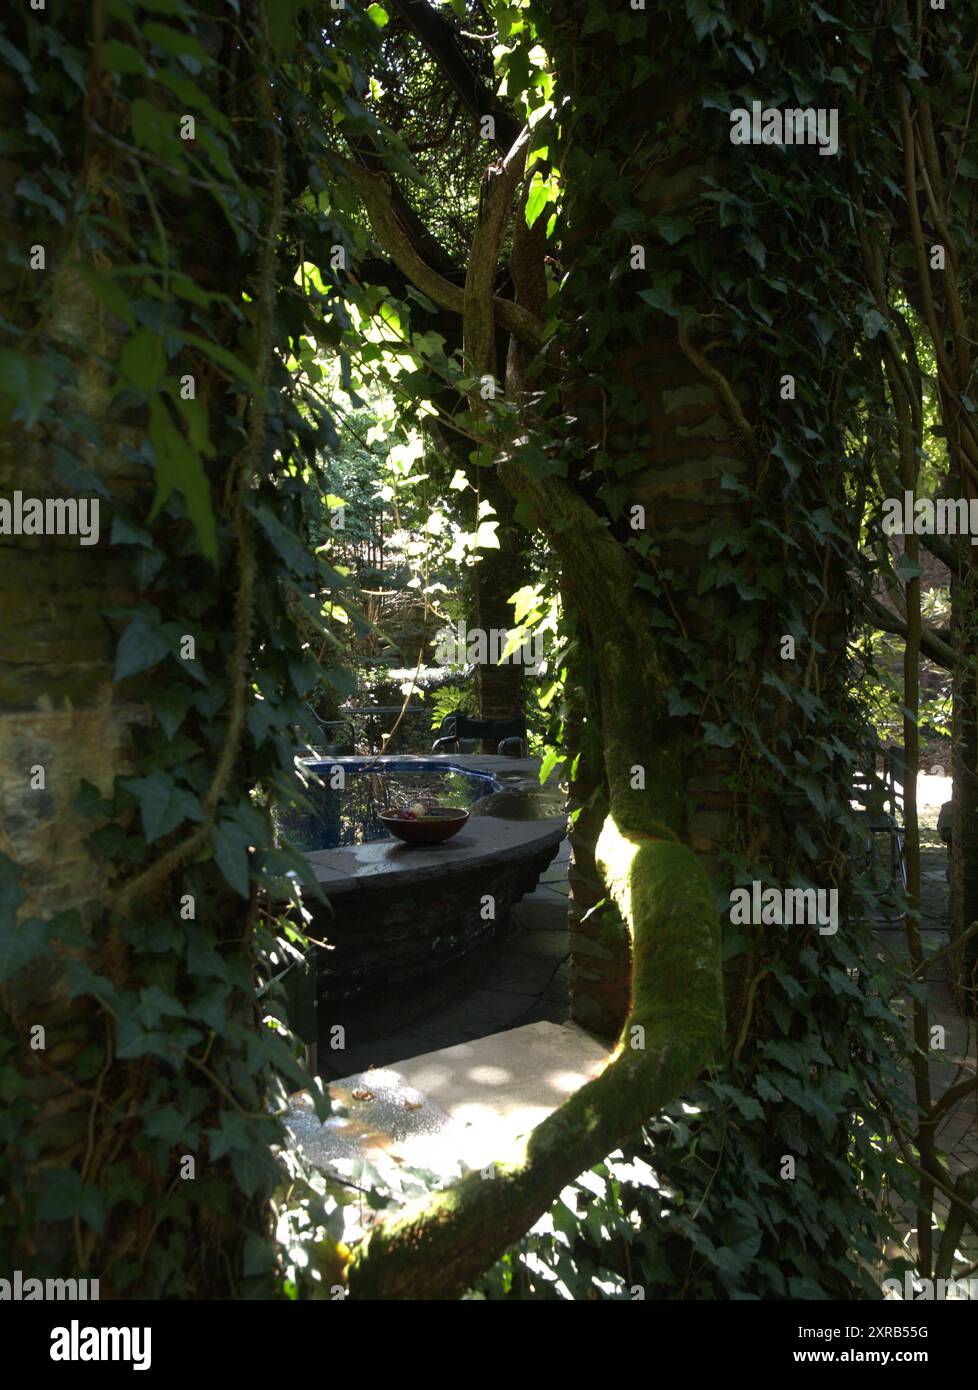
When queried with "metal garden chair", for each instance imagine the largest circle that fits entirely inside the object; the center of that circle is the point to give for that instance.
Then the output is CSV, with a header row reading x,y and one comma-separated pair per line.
x,y
509,735
879,798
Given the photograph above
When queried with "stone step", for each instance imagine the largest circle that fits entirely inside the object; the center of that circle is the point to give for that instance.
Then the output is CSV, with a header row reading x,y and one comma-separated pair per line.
x,y
459,1106
502,1086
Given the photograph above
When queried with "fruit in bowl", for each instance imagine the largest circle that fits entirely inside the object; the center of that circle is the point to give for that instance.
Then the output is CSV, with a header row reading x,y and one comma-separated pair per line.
x,y
425,825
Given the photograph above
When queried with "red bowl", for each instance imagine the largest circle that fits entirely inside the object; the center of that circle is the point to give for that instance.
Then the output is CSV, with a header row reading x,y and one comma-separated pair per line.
x,y
427,830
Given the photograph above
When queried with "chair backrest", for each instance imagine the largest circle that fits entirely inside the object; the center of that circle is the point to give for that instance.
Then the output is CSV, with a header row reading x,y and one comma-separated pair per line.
x,y
462,725
869,791
459,725
335,743
895,777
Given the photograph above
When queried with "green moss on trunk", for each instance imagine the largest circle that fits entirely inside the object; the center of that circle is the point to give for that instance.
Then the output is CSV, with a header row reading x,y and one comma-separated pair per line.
x,y
676,1024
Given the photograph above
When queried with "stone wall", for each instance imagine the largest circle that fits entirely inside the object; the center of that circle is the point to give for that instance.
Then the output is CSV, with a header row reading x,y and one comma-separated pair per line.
x,y
391,955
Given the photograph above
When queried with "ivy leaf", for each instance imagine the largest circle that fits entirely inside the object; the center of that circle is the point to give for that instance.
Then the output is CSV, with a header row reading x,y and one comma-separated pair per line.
x,y
152,129
20,943
19,63
288,545
679,705
788,1054
746,1104
122,57
231,843
873,323
661,296
29,383
124,532
76,477
756,249
824,328
154,936
703,16
343,680
233,1133
673,229
83,980
539,464
140,647
766,1091
124,1186
154,1005
168,1125
210,1006
800,1287
485,537
29,190
133,1040
178,466
170,707
537,198
806,841
250,1167
278,1052
68,929
202,960
175,41
281,24
143,360
629,220
262,717
162,804
259,1256
63,1195
11,893
239,371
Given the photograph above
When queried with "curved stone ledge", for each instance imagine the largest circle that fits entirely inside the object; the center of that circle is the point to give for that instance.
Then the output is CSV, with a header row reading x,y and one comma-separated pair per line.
x,y
390,864
405,923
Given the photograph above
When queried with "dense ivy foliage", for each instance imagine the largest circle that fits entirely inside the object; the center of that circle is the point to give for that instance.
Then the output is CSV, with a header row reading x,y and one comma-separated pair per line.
x,y
703,1209
166,396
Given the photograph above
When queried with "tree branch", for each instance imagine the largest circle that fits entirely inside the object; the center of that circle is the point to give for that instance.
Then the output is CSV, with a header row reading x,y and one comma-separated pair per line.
x,y
375,190
932,645
478,319
528,273
423,242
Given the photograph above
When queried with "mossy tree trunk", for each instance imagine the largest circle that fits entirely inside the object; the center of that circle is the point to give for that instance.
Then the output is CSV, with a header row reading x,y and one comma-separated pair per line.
x,y
676,1020
64,712
694,454
62,720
